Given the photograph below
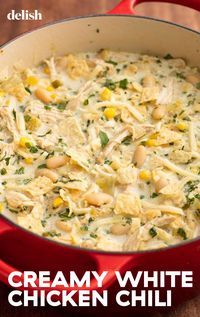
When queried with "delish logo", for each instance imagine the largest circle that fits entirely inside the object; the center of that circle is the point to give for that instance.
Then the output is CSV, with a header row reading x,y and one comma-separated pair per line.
x,y
24,15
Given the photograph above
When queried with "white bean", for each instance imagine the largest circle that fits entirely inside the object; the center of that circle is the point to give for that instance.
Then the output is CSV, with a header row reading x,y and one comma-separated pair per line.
x,y
160,184
139,156
119,229
64,226
158,113
148,81
98,199
48,173
57,161
43,95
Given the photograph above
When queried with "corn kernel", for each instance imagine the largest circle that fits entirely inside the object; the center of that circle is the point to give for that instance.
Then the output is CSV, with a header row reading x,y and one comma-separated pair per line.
x,y
24,142
110,113
1,207
105,94
33,123
57,202
7,103
49,88
53,96
28,160
32,80
47,70
2,93
150,142
182,126
115,165
145,175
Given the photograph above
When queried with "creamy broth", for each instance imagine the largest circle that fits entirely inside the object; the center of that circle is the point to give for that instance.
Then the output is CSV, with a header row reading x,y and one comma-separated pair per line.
x,y
101,150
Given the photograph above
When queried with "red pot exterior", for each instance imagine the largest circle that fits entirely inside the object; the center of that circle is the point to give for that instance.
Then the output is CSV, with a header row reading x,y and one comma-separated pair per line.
x,y
22,251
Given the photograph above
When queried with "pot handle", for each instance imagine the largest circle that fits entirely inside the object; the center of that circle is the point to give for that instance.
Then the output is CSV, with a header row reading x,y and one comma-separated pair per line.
x,y
127,6
104,263
108,263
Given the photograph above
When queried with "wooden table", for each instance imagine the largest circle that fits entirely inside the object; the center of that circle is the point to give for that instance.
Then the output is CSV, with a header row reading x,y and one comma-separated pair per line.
x,y
60,9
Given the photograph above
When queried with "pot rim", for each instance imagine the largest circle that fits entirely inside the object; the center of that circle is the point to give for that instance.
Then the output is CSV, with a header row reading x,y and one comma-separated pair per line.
x,y
46,25
78,248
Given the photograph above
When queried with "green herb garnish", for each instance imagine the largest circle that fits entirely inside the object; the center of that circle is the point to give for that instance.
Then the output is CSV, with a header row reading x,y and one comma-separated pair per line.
x,y
28,90
27,118
20,171
123,83
112,62
3,171
168,56
7,160
127,140
181,232
33,149
47,107
14,114
110,84
154,195
84,228
85,102
107,161
93,235
51,234
104,138
152,232
42,166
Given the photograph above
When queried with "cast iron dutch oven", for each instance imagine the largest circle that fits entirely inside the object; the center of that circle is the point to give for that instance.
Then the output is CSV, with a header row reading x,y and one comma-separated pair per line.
x,y
120,29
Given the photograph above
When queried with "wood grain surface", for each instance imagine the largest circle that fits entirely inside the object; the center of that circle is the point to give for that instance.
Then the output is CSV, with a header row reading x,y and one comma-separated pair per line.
x,y
60,9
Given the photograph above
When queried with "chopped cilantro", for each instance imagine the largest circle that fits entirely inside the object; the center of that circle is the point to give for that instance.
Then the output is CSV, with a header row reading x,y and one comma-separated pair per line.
x,y
42,135
108,162
28,90
51,234
127,140
20,171
3,171
43,222
180,75
154,195
47,107
168,56
61,106
27,118
123,83
84,228
42,166
152,232
33,149
7,159
93,235
104,138
112,62
64,214
110,84
85,102
14,114
181,232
